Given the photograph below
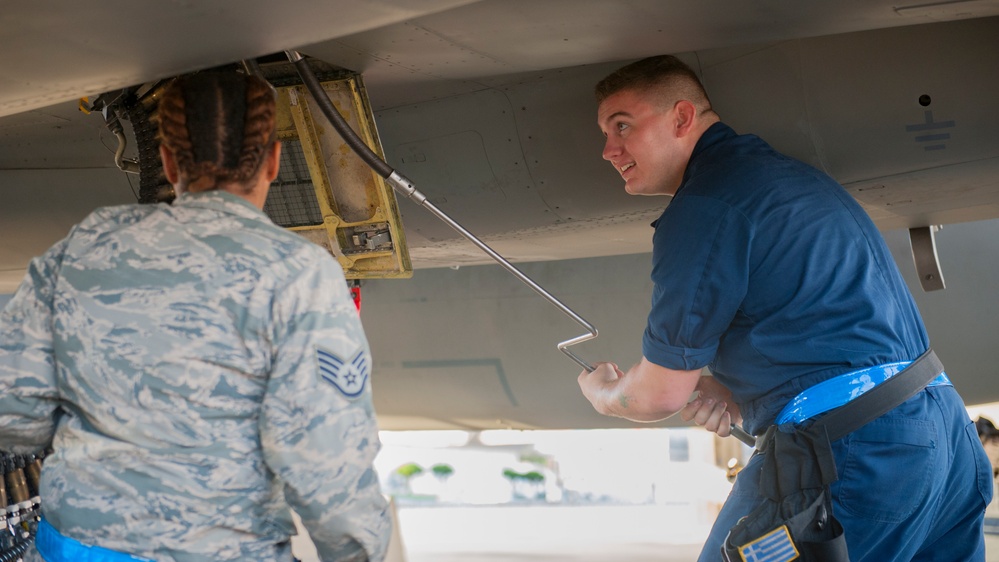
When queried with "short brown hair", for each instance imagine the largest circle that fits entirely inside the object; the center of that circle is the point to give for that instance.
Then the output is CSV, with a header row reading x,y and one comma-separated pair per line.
x,y
664,73
218,124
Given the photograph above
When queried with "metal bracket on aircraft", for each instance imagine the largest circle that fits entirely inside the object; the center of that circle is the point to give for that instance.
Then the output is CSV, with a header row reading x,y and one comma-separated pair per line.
x,y
924,255
111,107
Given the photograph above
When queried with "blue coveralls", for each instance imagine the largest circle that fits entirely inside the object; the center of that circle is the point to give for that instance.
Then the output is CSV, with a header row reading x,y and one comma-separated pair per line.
x,y
768,272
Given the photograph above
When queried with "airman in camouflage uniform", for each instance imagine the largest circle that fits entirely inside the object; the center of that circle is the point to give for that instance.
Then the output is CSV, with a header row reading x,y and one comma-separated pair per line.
x,y
196,370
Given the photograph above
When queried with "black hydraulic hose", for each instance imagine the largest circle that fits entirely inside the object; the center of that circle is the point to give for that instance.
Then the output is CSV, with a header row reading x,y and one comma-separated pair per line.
x,y
341,126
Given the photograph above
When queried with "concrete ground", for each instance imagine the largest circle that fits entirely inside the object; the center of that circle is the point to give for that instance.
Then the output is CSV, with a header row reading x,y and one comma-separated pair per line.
x,y
552,533
557,533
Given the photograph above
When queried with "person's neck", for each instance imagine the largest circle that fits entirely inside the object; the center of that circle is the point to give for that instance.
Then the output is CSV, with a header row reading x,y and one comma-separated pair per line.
x,y
256,196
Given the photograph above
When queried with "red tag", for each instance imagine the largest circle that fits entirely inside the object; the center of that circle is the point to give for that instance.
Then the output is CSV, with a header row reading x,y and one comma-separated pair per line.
x,y
356,292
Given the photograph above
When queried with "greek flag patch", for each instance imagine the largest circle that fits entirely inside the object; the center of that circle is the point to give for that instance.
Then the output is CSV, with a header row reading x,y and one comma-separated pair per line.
x,y
349,377
775,546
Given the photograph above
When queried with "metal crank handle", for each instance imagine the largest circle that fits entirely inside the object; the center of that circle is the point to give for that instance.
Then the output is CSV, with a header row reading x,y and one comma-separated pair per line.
x,y
743,435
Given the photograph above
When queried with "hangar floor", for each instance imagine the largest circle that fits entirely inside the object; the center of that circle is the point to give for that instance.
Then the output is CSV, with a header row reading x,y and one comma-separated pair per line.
x,y
560,534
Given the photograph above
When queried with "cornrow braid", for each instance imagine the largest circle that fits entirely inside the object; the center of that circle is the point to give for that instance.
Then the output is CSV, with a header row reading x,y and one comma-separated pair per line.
x,y
173,128
217,125
259,129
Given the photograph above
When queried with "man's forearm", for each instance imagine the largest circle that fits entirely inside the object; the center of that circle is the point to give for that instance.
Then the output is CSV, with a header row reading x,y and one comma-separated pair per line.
x,y
646,393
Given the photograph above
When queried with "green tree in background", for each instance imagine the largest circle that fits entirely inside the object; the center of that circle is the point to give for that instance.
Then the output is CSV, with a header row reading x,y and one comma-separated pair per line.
x,y
407,472
527,485
442,471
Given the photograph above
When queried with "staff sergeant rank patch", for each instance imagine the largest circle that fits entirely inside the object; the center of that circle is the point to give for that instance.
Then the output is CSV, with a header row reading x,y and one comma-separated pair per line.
x,y
349,377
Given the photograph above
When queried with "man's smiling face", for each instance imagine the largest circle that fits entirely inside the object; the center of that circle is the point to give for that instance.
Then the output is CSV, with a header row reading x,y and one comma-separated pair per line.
x,y
642,143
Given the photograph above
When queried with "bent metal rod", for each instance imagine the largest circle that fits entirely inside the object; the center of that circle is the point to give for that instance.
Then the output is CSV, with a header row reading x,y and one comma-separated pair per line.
x,y
406,187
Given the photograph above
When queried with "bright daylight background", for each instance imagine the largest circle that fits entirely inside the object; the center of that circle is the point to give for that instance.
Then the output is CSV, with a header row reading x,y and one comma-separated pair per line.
x,y
622,495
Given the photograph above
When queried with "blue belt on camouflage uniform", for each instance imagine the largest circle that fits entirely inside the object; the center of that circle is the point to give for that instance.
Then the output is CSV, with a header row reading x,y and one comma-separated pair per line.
x,y
54,547
837,391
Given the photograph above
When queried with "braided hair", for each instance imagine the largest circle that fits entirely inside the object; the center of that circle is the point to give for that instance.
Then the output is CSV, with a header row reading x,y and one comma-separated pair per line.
x,y
218,125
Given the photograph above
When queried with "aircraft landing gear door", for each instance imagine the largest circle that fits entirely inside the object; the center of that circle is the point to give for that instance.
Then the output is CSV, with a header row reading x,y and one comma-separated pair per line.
x,y
327,194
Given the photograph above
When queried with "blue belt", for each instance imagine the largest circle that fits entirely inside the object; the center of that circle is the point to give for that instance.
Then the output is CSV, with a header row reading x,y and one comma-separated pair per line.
x,y
837,391
54,547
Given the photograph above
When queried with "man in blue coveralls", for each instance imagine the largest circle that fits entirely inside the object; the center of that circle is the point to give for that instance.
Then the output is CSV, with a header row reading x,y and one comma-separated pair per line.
x,y
770,274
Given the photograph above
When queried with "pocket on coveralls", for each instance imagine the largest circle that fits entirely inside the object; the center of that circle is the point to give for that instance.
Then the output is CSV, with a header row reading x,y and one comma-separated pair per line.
x,y
887,470
983,466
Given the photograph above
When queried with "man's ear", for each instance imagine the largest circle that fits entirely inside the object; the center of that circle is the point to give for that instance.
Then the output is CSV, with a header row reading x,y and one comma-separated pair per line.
x,y
170,169
685,113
